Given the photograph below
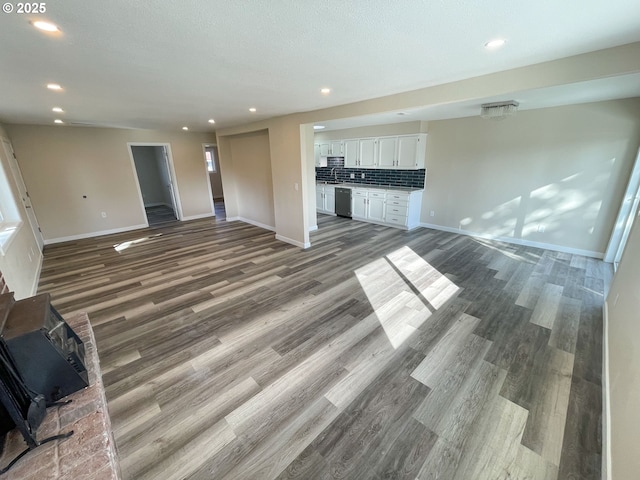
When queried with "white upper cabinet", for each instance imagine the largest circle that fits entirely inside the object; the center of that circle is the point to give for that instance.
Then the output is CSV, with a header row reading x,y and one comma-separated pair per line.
x,y
316,153
367,152
387,152
325,149
336,148
411,151
350,148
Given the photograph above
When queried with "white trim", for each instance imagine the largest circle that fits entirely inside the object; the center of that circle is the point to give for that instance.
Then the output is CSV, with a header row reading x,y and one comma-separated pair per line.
x,y
196,217
36,280
252,222
606,397
292,241
137,182
94,234
517,241
313,228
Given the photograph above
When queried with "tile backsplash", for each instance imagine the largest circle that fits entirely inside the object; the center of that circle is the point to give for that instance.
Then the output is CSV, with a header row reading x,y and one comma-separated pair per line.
x,y
394,178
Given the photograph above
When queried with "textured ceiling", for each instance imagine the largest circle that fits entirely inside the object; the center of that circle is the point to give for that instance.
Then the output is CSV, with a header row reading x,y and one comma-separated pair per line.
x,y
165,64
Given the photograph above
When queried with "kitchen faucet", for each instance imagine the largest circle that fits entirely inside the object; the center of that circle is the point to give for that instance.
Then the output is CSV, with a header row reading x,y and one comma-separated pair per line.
x,y
334,173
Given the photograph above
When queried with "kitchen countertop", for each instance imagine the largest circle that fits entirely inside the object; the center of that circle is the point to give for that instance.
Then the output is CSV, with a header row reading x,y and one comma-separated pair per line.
x,y
369,186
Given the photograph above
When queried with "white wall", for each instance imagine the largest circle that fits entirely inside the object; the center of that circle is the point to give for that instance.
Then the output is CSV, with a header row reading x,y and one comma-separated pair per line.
x,y
22,261
563,168
249,158
60,164
623,304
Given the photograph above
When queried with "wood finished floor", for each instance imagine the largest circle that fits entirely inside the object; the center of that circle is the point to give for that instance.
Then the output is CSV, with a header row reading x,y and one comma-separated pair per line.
x,y
375,354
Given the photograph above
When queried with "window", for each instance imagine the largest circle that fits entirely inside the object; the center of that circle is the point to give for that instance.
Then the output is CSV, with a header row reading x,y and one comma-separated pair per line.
x,y
211,164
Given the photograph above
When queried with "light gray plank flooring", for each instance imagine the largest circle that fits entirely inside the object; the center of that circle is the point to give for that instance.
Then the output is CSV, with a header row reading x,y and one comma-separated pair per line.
x,y
374,354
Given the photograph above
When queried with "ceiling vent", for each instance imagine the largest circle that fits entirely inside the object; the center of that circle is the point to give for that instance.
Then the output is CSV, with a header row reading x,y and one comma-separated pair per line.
x,y
499,110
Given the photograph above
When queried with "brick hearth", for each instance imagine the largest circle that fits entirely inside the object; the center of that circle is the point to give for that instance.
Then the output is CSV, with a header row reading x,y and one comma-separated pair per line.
x,y
89,454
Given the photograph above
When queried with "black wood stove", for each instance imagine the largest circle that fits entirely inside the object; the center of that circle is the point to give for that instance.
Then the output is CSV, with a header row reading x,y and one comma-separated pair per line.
x,y
41,361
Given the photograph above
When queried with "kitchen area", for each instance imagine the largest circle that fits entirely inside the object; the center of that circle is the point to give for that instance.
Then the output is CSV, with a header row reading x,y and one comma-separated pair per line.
x,y
377,179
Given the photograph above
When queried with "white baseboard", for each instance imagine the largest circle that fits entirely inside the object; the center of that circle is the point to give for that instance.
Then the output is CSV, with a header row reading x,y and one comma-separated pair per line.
x,y
196,217
80,236
292,241
518,241
252,222
313,228
606,397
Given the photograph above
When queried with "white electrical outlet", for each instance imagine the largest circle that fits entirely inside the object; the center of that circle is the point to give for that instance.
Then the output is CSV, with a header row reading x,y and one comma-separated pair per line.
x,y
432,213
295,185
352,176
362,175
104,214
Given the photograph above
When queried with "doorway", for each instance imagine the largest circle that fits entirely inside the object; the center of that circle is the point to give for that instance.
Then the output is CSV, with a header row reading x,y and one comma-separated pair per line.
x,y
153,166
215,180
626,216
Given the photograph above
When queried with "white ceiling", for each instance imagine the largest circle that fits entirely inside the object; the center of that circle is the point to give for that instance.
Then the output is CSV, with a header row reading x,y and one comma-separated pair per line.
x,y
165,64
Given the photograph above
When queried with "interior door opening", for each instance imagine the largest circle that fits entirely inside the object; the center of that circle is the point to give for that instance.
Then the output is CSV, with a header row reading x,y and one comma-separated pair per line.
x,y
215,180
153,168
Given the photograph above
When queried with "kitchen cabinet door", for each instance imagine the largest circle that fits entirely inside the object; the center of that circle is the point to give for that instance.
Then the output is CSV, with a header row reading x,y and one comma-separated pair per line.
x,y
316,153
320,198
330,199
336,148
411,151
359,208
325,149
367,152
350,149
376,209
387,150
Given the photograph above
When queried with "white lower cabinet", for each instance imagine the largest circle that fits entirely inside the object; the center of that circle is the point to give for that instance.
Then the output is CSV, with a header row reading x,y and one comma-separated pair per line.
x,y
376,206
325,198
389,207
359,199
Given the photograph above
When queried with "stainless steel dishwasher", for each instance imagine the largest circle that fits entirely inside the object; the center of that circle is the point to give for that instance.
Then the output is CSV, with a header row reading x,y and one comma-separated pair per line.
x,y
343,202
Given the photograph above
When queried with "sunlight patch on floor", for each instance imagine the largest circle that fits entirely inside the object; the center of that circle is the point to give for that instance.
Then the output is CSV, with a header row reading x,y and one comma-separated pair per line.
x,y
404,290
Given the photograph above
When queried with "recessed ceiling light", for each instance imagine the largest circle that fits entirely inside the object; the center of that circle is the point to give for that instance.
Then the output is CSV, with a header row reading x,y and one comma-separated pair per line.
x,y
252,109
46,26
211,120
496,43
402,114
57,110
319,127
325,91
185,128
57,120
54,86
